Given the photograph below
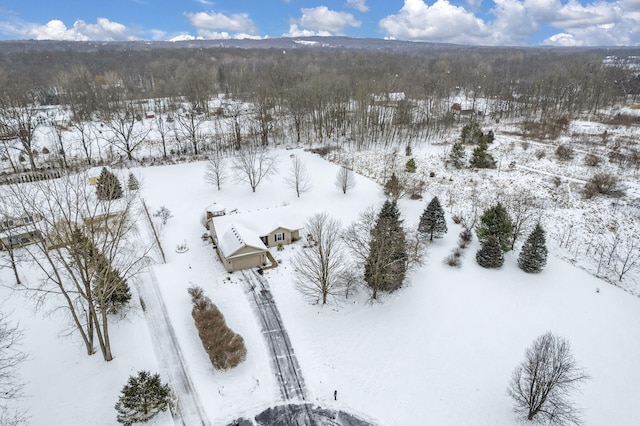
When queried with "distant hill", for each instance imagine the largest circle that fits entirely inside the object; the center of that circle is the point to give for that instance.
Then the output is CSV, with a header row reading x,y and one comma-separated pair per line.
x,y
23,46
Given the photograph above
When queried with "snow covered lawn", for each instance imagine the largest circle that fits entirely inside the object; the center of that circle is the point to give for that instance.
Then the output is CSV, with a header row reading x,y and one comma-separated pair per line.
x,y
440,351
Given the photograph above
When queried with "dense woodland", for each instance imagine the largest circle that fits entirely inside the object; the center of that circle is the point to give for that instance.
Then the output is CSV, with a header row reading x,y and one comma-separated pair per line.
x,y
312,94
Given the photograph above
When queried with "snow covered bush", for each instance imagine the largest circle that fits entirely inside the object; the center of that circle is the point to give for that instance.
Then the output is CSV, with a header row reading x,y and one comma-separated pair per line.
x,y
225,348
142,398
603,184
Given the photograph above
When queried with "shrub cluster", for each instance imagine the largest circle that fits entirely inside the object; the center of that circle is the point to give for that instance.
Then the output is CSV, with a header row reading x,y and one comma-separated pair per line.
x,y
603,184
225,348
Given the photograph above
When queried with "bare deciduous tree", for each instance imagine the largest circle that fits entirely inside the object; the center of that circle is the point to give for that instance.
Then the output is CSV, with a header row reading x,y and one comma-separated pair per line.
x,y
522,209
10,384
216,173
320,267
541,385
18,116
187,126
128,133
78,229
345,179
298,178
253,163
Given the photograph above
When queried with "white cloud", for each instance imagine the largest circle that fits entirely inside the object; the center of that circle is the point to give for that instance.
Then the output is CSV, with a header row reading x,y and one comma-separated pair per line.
x,y
103,29
294,31
359,5
599,23
513,23
219,23
158,34
321,18
440,22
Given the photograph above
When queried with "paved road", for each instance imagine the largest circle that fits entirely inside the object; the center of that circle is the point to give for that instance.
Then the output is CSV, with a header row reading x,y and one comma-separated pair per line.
x,y
301,414
283,359
189,411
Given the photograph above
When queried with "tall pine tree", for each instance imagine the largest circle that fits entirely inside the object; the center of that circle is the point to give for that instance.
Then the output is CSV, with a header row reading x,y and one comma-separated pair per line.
x,y
108,187
386,264
109,291
432,221
480,158
495,221
490,254
142,398
533,256
457,156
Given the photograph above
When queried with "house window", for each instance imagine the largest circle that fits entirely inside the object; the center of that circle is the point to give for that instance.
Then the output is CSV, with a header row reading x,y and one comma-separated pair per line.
x,y
280,236
27,219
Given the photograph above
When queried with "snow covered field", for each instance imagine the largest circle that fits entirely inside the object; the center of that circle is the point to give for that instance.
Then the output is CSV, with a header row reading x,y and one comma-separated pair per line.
x,y
439,351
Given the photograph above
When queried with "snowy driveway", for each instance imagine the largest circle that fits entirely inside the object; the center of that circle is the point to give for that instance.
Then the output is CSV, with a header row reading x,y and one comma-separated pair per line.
x,y
283,359
189,407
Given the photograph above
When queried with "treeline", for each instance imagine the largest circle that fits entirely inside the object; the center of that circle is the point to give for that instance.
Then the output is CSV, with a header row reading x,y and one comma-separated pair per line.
x,y
361,97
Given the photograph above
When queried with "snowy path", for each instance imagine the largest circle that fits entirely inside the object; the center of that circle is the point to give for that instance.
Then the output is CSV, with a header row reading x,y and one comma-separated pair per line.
x,y
189,407
530,169
283,359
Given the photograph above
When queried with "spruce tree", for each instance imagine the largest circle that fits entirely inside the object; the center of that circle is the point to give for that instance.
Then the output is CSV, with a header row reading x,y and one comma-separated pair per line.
x,y
142,398
457,155
495,221
471,133
490,254
133,183
393,188
533,256
110,291
385,268
480,158
410,167
108,187
432,221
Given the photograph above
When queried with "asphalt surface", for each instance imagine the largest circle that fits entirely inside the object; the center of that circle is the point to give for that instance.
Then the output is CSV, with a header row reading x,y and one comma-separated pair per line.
x,y
295,412
301,415
283,359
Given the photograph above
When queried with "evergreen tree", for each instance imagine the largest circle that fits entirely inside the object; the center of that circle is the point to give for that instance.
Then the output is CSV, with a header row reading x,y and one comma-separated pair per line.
x,y
490,136
432,221
480,158
108,187
533,256
457,155
471,134
410,167
490,254
142,398
133,183
495,221
386,264
393,188
108,289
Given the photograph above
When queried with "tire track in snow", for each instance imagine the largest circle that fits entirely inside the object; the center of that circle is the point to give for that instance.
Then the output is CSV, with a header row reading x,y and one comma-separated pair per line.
x,y
190,410
283,359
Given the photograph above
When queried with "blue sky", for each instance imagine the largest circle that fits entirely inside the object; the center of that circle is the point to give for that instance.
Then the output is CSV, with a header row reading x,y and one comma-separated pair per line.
x,y
474,22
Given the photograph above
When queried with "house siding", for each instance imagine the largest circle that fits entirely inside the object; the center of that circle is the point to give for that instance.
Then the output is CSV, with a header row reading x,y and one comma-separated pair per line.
x,y
289,237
